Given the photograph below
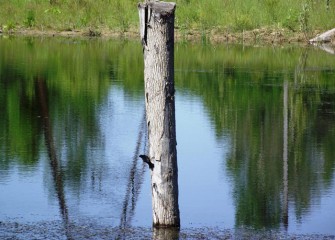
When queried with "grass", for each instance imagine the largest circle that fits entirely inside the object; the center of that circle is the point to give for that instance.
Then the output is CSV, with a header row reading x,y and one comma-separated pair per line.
x,y
68,14
302,16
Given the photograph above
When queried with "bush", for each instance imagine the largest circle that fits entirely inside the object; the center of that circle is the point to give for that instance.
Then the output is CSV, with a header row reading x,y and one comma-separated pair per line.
x,y
30,19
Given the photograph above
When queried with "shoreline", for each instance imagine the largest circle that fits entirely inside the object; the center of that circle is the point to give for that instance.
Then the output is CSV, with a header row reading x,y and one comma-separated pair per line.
x,y
256,37
215,36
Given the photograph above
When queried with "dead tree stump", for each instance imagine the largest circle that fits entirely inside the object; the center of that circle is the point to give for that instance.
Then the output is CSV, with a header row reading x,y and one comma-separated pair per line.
x,y
157,35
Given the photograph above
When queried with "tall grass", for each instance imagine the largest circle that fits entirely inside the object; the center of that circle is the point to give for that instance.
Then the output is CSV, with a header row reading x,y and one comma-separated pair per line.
x,y
68,14
121,15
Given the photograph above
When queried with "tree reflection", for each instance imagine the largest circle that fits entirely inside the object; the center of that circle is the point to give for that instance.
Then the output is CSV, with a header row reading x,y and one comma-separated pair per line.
x,y
285,155
278,158
44,102
51,95
73,91
42,99
135,178
15,106
277,109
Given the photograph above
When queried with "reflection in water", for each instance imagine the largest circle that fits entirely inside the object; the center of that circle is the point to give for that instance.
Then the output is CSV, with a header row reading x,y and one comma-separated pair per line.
x,y
255,129
285,155
165,233
271,162
42,96
135,178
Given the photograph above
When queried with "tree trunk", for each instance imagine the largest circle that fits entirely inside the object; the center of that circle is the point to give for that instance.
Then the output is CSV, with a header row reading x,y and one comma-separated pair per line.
x,y
157,33
324,37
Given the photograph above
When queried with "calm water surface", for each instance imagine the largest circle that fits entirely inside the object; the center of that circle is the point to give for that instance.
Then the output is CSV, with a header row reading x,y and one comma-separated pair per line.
x,y
255,131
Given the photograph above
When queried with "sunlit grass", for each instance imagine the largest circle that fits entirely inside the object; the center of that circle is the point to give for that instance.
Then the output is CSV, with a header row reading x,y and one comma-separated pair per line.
x,y
115,15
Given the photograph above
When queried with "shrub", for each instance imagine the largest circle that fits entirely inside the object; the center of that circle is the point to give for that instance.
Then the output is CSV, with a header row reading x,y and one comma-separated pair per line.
x,y
30,19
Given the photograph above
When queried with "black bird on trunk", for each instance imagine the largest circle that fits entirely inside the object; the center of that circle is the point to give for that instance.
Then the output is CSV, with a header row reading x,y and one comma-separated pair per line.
x,y
147,160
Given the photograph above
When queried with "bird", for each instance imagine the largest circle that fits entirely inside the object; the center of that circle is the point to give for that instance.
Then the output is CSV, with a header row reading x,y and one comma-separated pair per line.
x,y
146,159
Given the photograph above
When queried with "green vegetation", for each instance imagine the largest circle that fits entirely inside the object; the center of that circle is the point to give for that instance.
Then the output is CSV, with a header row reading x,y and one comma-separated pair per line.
x,y
302,16
68,14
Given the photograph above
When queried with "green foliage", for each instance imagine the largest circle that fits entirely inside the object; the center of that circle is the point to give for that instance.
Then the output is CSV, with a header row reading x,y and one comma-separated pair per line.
x,y
304,18
30,19
201,15
243,22
272,6
53,10
292,20
121,16
7,28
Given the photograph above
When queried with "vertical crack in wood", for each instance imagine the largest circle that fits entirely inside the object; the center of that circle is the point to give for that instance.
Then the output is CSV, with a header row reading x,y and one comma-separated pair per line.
x,y
146,18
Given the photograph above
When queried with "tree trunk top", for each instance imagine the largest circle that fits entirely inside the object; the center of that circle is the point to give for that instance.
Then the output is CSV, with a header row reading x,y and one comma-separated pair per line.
x,y
162,8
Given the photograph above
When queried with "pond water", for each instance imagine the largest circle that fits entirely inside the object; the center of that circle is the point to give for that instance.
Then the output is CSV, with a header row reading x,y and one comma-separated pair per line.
x,y
255,133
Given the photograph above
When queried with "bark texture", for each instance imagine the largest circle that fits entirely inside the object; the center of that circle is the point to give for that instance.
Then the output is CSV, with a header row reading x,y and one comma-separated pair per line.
x,y
325,41
157,33
325,37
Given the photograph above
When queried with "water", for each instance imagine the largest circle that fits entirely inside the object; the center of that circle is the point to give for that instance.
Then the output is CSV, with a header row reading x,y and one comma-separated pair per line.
x,y
255,133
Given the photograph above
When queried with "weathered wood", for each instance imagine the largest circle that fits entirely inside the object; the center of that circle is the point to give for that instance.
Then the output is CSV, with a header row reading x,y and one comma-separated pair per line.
x,y
324,41
142,11
324,37
327,48
157,35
